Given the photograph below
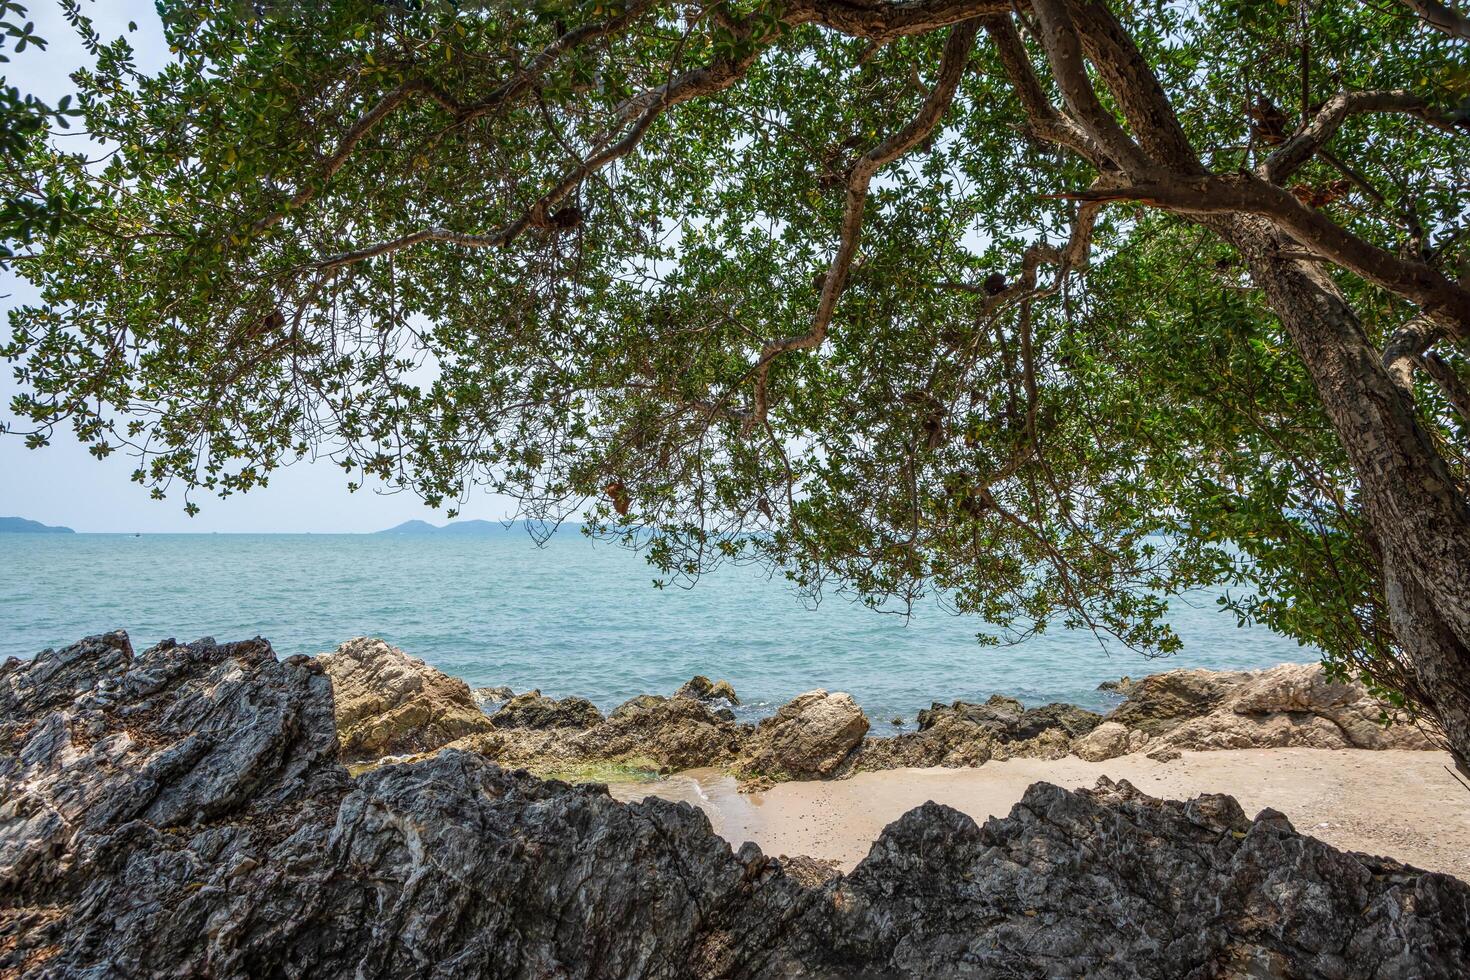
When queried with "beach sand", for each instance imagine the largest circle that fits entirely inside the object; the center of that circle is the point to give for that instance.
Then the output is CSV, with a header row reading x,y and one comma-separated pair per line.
x,y
1397,803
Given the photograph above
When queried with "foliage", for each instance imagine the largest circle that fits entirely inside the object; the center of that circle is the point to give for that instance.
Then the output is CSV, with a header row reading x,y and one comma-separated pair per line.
x,y
1032,456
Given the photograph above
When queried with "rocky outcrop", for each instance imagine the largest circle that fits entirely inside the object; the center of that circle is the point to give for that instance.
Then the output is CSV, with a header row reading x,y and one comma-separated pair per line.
x,y
1160,702
701,688
489,698
389,703
808,737
647,732
965,734
1289,705
182,812
535,710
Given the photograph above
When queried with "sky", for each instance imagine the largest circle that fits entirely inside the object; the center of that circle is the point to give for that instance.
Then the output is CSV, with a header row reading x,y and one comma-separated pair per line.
x,y
62,484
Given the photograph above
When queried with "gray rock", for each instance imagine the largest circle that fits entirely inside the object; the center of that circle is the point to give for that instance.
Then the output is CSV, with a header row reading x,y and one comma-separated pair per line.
x,y
1009,721
535,710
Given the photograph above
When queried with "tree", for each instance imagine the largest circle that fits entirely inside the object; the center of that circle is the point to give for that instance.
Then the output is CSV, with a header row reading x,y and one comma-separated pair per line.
x,y
1055,309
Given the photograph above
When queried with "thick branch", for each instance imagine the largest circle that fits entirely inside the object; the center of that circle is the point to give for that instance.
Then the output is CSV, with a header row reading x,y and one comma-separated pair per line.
x,y
1134,85
1441,16
1405,348
1299,148
1438,296
884,20
1045,121
952,66
1064,52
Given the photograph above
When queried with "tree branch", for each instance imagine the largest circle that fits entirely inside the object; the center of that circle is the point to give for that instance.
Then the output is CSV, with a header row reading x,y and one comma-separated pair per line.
x,y
512,88
1134,85
1064,52
691,85
1324,125
1044,119
957,49
1439,297
1441,16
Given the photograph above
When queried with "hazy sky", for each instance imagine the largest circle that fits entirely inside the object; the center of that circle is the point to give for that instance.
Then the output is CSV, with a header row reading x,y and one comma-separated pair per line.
x,y
62,484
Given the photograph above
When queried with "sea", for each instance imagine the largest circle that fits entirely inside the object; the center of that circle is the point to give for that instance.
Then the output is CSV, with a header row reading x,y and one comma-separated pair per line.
x,y
572,617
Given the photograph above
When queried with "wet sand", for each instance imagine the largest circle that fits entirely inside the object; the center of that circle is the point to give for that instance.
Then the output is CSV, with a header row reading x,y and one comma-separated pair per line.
x,y
1397,803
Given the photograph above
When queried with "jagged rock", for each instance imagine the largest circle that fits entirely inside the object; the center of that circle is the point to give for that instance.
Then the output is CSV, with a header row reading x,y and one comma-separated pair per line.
x,y
101,745
666,733
1009,721
389,703
1108,741
535,710
809,736
1165,753
1071,720
487,697
183,813
701,688
1113,883
1289,705
679,732
998,714
810,872
949,741
1122,685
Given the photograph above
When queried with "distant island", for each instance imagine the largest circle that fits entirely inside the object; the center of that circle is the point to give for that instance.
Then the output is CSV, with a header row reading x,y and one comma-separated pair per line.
x,y
455,528
19,525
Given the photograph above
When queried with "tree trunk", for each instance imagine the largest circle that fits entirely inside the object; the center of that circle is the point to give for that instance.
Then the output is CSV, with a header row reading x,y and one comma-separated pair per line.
x,y
1408,495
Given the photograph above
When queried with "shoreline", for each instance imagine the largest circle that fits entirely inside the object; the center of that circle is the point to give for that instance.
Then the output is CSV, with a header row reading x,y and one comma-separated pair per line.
x,y
1401,804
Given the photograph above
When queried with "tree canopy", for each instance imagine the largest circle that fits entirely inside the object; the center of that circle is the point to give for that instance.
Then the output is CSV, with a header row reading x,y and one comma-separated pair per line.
x,y
1053,309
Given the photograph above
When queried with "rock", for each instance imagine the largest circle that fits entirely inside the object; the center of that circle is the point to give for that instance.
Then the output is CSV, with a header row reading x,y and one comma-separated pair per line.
x,y
678,732
103,746
999,714
183,813
1113,883
535,710
650,730
388,703
1160,702
640,703
701,688
810,872
1108,741
1070,719
1292,705
949,741
1122,685
1165,754
487,697
1009,721
810,736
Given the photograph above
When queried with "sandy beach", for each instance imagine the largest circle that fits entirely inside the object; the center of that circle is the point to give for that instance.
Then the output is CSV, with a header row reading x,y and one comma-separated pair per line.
x,y
1401,804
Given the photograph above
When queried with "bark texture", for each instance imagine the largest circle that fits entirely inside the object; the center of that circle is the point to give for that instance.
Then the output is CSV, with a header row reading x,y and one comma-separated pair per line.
x,y
1417,514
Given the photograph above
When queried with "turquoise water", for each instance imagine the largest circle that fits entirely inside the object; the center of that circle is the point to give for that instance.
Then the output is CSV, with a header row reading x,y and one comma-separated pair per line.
x,y
575,617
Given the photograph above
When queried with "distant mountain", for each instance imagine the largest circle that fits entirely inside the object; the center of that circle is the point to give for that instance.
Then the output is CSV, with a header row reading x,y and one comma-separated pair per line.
x,y
453,528
19,525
